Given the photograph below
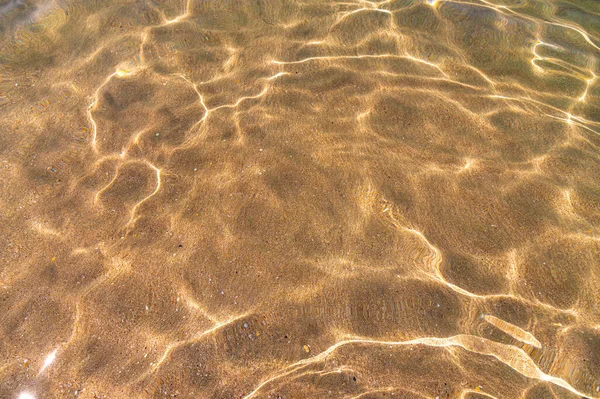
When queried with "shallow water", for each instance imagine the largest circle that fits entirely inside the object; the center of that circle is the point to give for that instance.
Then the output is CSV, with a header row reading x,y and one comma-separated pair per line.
x,y
299,199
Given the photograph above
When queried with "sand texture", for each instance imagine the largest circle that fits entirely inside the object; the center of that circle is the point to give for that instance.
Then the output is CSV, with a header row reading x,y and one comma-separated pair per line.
x,y
299,199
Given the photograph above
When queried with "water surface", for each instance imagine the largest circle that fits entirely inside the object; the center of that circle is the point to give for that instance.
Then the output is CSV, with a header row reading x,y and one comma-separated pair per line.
x,y
299,199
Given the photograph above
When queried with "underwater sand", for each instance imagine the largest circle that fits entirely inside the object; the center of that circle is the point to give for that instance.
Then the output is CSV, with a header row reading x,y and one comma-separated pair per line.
x,y
300,199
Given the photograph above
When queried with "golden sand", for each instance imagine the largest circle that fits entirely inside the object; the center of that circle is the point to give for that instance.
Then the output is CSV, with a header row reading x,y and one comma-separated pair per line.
x,y
299,199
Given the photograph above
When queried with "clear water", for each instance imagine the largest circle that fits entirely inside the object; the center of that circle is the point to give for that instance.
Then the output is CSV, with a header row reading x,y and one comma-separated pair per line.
x,y
299,199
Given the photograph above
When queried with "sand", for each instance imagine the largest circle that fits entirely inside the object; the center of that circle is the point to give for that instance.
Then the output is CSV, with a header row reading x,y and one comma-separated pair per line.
x,y
299,199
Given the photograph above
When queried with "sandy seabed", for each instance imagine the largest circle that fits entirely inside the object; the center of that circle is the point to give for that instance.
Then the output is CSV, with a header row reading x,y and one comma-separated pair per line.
x,y
299,199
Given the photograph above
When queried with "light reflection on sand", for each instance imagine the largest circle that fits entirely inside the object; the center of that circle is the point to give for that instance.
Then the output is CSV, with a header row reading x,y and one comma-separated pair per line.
x,y
299,199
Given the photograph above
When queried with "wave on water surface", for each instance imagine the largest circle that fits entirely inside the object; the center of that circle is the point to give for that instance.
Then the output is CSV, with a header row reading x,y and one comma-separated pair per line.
x,y
300,199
